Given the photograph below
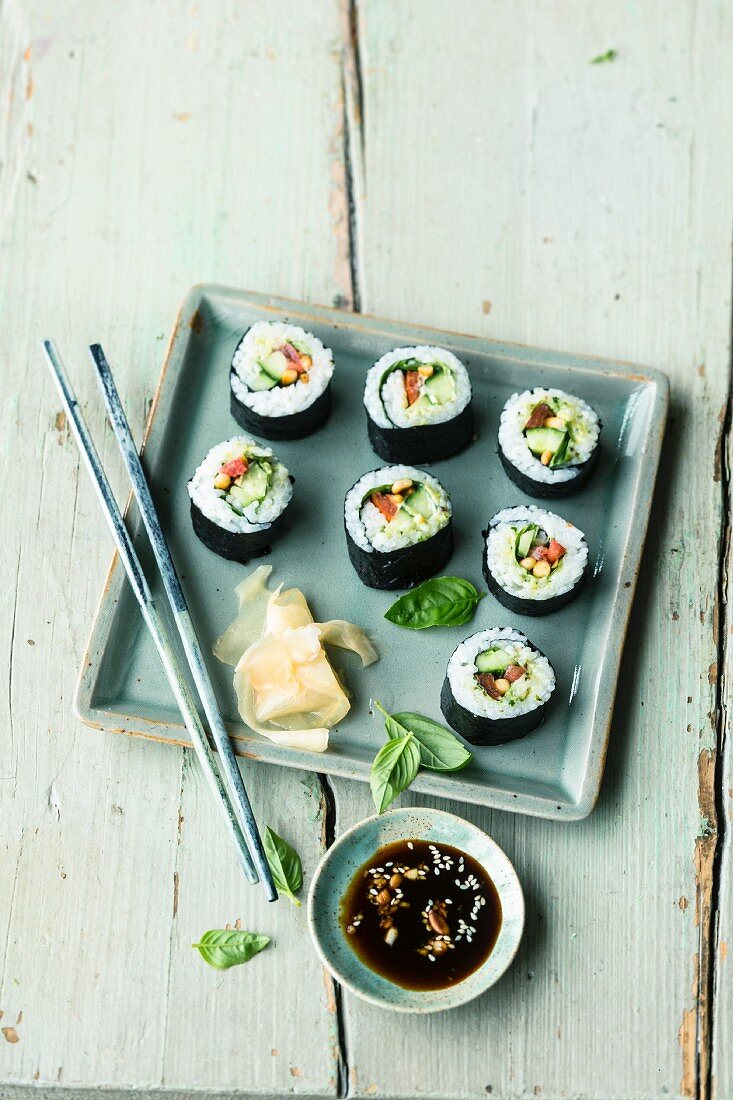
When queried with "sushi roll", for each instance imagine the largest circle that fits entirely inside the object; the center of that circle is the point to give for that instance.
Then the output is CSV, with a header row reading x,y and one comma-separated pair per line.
x,y
239,494
418,404
534,561
548,442
399,527
280,381
497,687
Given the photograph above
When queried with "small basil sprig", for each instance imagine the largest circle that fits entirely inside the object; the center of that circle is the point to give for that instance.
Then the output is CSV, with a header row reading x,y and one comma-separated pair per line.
x,y
285,865
225,947
440,750
394,768
413,741
441,601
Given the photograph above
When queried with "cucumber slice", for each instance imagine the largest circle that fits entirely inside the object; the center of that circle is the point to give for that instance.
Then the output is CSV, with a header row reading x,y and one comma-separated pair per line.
x,y
561,454
545,439
262,381
525,538
420,502
253,489
439,388
275,364
493,660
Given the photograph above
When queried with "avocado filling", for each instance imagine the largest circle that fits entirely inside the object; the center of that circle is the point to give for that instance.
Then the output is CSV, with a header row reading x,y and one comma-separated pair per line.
x,y
553,431
426,384
244,481
536,552
283,366
498,675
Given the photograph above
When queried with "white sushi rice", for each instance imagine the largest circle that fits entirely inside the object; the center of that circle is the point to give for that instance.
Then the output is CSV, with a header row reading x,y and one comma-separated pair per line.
x,y
259,341
387,403
526,694
368,527
512,441
211,501
506,570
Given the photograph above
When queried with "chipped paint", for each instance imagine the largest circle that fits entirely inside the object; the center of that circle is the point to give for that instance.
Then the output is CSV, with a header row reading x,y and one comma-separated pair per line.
x,y
683,903
330,988
723,950
11,1035
687,1037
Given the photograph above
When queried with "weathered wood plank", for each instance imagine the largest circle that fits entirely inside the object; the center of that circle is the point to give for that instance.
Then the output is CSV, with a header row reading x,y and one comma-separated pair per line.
x,y
544,199
722,945
143,148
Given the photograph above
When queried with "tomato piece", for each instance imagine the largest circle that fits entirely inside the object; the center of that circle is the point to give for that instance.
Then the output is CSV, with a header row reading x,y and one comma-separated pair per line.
x,y
412,386
385,504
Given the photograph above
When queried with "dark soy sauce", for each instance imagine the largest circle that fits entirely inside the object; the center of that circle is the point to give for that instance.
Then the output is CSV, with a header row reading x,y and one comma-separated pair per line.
x,y
422,915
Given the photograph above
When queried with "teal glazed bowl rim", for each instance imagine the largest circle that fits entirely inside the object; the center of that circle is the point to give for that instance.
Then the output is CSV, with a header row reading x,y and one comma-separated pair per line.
x,y
357,845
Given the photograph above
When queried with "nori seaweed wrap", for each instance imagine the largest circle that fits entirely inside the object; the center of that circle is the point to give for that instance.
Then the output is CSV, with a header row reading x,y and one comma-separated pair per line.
x,y
548,442
399,527
280,381
534,562
497,687
239,495
418,404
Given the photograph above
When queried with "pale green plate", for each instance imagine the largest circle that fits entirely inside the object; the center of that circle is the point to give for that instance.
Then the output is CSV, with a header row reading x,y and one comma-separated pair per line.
x,y
554,772
359,844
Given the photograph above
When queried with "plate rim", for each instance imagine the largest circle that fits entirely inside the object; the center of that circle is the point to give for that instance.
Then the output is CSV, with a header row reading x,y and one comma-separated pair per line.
x,y
477,794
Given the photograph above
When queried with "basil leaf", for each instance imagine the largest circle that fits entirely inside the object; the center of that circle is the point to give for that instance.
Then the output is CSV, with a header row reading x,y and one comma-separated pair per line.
x,y
440,750
225,947
440,601
393,728
609,55
394,768
284,861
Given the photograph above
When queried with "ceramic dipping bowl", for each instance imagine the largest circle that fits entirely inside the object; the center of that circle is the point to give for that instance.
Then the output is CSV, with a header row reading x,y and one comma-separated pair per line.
x,y
355,847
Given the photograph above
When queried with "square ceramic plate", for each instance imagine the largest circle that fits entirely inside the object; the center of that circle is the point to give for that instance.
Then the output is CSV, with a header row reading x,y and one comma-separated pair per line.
x,y
555,771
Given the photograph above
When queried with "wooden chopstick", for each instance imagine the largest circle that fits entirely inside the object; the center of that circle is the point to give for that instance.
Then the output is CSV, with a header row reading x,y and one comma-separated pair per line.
x,y
141,590
227,760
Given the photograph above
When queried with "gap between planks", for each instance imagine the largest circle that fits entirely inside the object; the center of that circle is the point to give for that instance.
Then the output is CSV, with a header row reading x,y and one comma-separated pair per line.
x,y
352,107
712,774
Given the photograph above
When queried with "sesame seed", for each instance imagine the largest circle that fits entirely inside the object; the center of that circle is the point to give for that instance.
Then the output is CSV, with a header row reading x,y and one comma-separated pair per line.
x,y
410,845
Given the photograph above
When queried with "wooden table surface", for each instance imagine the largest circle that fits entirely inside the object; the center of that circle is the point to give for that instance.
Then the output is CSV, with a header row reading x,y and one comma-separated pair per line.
x,y
463,165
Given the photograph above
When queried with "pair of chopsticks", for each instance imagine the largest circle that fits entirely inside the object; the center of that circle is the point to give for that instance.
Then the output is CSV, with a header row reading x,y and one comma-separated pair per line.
x,y
222,772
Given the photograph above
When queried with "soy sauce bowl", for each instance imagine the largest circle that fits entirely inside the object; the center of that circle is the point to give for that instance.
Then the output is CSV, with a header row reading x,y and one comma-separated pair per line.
x,y
359,844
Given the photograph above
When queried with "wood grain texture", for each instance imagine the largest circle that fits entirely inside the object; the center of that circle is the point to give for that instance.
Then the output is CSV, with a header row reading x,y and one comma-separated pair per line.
x,y
587,207
500,184
142,150
722,944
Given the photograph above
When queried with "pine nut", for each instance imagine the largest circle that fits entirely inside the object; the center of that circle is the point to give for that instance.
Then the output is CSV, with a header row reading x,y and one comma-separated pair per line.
x,y
401,484
306,361
502,685
527,563
438,923
555,422
542,569
391,936
546,457
426,370
289,376
222,481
